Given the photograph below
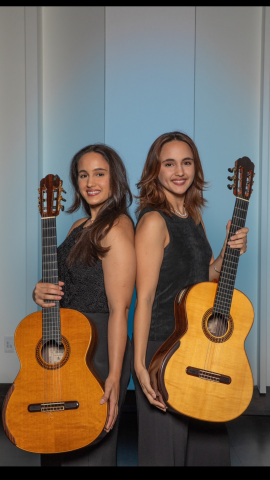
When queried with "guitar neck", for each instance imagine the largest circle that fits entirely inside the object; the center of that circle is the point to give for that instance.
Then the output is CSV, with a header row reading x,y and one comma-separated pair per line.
x,y
229,267
50,316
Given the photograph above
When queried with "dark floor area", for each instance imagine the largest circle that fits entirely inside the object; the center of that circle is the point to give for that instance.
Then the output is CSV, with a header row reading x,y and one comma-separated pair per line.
x,y
249,436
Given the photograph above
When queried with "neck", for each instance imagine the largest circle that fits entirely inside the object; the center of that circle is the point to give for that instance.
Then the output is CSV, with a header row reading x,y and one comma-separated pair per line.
x,y
227,277
50,316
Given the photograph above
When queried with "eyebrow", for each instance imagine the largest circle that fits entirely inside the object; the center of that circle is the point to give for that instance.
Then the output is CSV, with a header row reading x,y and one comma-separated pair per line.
x,y
95,169
173,160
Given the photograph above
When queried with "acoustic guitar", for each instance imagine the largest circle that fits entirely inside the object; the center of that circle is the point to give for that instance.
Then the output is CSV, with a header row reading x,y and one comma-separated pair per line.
x,y
202,370
54,403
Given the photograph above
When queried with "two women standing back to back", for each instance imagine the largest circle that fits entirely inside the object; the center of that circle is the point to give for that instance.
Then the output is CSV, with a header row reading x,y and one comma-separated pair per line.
x,y
97,266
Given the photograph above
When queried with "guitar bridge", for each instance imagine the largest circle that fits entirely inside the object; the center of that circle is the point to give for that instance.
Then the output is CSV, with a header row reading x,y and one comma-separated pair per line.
x,y
207,375
53,407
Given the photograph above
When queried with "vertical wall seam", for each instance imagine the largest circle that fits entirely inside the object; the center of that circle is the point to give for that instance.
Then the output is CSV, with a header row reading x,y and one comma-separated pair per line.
x,y
26,154
105,24
195,38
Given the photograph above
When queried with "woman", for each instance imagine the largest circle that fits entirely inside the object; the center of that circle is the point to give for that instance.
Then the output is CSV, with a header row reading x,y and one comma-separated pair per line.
x,y
97,272
172,252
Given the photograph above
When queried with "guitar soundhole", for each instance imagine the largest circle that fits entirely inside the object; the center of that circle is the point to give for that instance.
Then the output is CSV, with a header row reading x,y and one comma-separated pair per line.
x,y
52,355
216,327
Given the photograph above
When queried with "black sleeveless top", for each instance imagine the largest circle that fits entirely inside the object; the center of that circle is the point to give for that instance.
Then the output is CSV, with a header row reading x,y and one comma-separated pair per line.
x,y
185,262
84,287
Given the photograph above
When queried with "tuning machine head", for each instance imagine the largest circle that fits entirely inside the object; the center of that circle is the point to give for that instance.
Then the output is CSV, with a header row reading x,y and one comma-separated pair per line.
x,y
232,169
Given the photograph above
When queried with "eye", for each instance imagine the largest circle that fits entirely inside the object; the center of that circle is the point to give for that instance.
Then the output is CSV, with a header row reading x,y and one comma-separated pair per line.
x,y
188,162
100,174
83,175
168,164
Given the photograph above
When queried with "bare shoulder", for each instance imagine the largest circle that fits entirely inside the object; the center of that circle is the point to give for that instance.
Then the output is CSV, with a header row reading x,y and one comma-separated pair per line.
x,y
77,224
151,222
121,231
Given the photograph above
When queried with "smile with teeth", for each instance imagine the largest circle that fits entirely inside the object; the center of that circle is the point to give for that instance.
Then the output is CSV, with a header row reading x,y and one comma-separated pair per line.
x,y
179,182
92,193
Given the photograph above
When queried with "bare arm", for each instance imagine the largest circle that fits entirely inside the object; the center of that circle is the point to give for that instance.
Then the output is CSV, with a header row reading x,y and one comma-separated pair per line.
x,y
119,268
151,238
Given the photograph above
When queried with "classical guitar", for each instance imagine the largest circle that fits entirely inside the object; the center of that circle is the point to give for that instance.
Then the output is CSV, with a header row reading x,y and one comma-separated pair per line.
x,y
202,370
54,403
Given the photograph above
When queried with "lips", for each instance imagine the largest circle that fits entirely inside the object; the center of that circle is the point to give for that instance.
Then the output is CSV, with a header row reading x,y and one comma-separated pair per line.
x,y
179,183
92,193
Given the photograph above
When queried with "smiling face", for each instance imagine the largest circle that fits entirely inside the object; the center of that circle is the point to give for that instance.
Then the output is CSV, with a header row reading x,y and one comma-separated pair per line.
x,y
177,169
94,179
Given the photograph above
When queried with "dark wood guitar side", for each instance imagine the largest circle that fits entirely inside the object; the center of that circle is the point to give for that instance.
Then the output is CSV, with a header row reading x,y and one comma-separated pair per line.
x,y
53,405
202,370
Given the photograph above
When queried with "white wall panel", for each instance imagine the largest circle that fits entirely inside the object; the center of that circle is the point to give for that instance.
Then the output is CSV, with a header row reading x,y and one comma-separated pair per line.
x,y
12,182
227,126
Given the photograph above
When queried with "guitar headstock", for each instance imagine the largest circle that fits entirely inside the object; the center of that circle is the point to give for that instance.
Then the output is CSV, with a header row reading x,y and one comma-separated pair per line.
x,y
242,178
50,196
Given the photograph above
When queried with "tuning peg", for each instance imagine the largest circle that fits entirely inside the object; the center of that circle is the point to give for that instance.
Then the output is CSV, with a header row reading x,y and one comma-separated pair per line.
x,y
62,199
231,186
232,169
231,178
64,191
62,208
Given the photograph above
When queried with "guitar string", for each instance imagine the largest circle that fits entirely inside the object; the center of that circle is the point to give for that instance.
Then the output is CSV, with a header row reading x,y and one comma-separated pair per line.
x,y
214,353
52,333
231,264
223,317
227,280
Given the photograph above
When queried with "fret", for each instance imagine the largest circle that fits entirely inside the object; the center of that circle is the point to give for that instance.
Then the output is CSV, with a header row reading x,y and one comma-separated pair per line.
x,y
51,326
229,267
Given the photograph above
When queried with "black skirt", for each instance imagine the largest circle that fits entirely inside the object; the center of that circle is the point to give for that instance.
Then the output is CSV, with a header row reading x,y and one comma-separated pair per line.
x,y
103,453
168,439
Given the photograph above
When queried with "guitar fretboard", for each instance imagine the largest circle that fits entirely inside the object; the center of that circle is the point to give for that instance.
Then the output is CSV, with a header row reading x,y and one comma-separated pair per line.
x,y
227,278
50,316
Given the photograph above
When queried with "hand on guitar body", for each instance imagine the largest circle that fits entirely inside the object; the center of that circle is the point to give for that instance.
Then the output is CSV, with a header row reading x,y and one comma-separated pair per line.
x,y
47,291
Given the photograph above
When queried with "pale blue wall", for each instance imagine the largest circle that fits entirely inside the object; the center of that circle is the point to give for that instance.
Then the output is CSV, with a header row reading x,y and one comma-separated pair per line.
x,y
73,90
149,79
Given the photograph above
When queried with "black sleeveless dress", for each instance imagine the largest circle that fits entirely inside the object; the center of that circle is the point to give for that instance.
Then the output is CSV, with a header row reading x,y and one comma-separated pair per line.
x,y
84,291
167,439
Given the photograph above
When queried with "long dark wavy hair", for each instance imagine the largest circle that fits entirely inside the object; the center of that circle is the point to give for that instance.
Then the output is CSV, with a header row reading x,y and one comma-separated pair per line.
x,y
151,191
88,248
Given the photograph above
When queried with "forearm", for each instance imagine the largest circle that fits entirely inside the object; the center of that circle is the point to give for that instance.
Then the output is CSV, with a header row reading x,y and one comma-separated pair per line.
x,y
215,268
142,322
117,339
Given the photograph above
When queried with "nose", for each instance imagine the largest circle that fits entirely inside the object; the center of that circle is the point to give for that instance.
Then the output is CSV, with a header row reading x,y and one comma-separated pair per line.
x,y
179,170
90,181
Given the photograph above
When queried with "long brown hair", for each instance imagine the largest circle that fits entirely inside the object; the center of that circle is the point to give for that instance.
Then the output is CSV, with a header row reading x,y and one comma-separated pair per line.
x,y
151,191
88,248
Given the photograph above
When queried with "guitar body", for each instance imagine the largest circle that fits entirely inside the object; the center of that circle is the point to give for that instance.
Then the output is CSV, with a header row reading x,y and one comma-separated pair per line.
x,y
201,375
68,390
